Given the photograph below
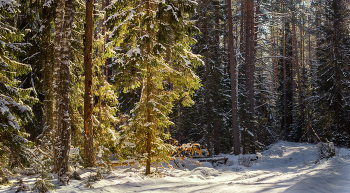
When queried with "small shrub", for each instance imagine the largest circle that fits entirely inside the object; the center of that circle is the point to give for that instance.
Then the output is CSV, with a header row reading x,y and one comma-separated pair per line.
x,y
245,160
75,176
325,151
22,186
43,185
43,182
230,163
5,181
93,178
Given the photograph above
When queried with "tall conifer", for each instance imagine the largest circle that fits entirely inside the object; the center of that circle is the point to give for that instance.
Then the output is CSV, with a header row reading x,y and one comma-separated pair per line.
x,y
143,32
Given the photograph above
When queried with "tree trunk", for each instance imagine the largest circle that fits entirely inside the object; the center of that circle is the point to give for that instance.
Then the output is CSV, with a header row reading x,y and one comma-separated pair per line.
x,y
64,124
243,13
310,63
294,58
56,77
216,81
47,64
149,120
284,73
206,55
148,98
249,73
88,97
301,103
338,58
233,81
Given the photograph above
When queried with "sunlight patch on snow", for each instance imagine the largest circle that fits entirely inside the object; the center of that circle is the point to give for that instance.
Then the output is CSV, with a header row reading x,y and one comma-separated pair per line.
x,y
284,167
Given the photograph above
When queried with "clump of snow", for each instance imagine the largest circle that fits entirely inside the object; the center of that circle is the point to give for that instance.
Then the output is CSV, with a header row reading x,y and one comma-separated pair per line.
x,y
284,167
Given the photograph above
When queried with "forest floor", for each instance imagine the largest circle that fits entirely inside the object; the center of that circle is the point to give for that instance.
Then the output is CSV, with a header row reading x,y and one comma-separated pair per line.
x,y
284,167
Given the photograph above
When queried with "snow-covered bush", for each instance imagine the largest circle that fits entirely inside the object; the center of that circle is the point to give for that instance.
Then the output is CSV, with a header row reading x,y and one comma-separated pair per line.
x,y
246,160
93,177
4,181
43,182
326,150
22,187
75,159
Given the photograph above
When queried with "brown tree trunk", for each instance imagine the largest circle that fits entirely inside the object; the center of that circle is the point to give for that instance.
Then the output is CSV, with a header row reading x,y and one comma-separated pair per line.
x,y
148,94
47,63
209,134
89,154
233,81
338,58
149,120
64,123
216,80
301,103
294,58
243,11
59,21
310,63
250,62
284,72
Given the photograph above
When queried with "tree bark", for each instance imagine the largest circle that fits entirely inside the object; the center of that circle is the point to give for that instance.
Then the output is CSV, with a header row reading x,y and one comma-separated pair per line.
x,y
250,60
301,103
47,64
207,105
56,77
284,72
216,81
148,98
64,124
233,81
294,59
88,97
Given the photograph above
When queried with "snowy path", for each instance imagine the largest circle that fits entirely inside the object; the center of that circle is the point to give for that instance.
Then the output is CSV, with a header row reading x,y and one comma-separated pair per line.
x,y
285,167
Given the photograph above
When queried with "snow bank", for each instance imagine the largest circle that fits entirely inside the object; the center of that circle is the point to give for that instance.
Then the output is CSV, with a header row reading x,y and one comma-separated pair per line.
x,y
284,167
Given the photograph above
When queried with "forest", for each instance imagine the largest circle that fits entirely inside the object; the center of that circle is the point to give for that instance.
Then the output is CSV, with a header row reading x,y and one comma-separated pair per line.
x,y
94,83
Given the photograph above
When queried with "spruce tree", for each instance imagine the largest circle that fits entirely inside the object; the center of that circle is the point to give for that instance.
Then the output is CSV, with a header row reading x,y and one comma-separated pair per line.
x,y
15,102
333,74
152,41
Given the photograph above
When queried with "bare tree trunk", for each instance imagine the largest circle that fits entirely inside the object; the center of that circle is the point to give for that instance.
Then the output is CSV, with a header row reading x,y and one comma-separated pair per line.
x,y
47,64
284,72
64,123
249,73
216,80
310,63
148,95
207,105
294,58
301,103
243,13
338,58
149,120
59,21
88,96
233,81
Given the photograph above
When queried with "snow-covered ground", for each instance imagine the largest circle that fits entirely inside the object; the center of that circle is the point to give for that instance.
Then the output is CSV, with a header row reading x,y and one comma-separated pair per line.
x,y
284,167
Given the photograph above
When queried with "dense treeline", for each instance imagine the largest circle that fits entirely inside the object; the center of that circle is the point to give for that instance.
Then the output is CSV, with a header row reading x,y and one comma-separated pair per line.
x,y
125,78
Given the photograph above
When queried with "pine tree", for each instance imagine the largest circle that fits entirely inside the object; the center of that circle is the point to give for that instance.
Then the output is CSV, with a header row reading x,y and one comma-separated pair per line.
x,y
333,74
152,39
15,103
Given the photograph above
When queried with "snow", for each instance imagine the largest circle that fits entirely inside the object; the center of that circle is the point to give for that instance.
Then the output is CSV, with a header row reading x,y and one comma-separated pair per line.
x,y
7,5
135,50
284,167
